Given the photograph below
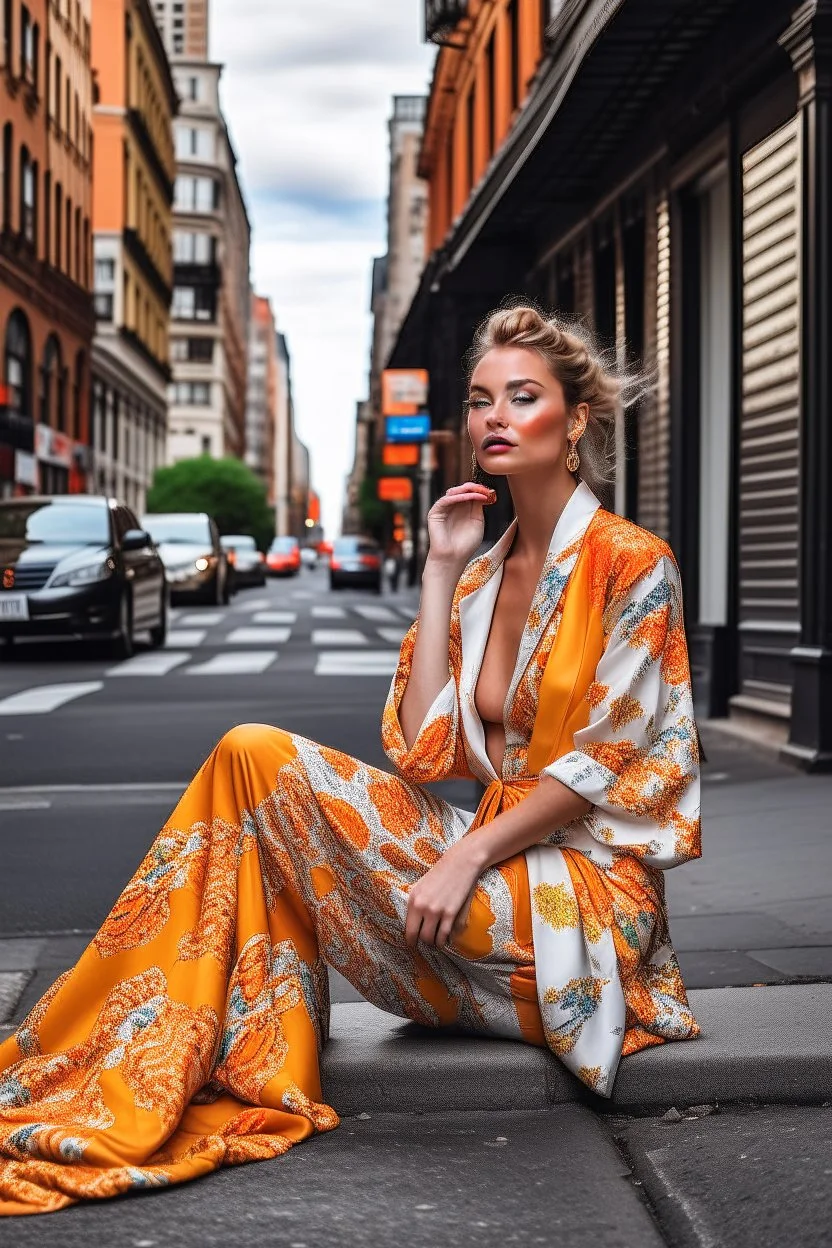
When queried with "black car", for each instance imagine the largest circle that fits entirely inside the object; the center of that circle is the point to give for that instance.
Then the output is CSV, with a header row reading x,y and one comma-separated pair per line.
x,y
82,566
247,562
355,561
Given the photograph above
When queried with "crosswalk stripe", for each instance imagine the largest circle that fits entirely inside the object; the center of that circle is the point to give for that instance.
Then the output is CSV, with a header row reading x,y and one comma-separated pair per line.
x,y
338,637
356,663
375,613
201,619
236,663
275,617
185,638
409,613
329,613
157,663
44,698
255,604
258,636
394,635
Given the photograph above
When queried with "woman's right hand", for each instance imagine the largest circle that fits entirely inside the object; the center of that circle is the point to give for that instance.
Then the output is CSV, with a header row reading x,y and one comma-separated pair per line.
x,y
456,524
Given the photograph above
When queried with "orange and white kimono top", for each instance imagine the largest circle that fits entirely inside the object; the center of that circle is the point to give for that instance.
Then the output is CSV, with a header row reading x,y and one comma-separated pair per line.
x,y
600,699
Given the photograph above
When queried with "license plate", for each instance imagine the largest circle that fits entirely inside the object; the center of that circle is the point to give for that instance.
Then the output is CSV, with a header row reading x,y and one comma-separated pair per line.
x,y
14,607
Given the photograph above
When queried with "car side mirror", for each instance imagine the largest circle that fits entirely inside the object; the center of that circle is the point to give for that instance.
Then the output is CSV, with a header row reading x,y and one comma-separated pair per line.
x,y
136,539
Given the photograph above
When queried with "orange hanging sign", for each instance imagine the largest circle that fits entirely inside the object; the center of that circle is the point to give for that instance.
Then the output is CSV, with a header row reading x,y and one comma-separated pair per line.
x,y
395,489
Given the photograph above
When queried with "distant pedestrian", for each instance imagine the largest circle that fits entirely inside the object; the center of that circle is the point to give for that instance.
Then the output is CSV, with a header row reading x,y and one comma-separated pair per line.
x,y
394,563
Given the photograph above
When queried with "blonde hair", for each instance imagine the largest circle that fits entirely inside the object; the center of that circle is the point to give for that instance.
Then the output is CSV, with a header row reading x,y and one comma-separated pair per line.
x,y
587,374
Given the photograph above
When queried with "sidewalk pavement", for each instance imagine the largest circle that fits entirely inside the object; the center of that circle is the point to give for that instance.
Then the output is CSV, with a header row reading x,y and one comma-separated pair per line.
x,y
453,1140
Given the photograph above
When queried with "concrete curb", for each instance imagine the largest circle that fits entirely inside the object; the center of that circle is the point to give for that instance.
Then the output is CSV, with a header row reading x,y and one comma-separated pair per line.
x,y
769,1044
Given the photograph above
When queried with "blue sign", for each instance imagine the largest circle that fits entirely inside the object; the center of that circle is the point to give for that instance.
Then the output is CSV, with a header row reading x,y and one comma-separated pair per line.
x,y
408,428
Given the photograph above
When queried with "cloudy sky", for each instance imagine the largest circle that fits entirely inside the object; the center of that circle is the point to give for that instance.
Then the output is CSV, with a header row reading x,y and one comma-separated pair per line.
x,y
307,93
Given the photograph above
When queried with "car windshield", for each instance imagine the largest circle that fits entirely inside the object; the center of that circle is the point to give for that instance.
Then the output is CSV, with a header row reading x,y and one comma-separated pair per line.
x,y
238,541
354,546
283,545
55,522
190,530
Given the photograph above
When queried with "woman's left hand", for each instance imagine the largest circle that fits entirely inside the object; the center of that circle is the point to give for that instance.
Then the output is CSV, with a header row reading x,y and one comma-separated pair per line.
x,y
440,900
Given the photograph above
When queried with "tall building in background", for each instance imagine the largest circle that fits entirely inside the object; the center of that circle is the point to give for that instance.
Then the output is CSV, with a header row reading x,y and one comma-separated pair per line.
x,y
132,223
184,27
261,396
46,321
211,284
395,278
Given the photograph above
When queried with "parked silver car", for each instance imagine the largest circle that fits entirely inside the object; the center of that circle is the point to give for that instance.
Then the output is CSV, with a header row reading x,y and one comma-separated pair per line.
x,y
196,565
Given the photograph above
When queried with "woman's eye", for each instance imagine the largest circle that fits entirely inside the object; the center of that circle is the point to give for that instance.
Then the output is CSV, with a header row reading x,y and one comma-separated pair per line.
x,y
478,402
524,397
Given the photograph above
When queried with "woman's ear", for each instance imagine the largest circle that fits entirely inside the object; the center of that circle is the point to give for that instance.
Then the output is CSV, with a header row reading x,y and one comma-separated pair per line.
x,y
577,425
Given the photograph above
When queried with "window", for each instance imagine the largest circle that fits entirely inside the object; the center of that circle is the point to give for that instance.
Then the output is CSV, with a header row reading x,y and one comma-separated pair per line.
x,y
52,386
193,303
193,88
56,112
28,192
18,364
8,147
193,141
192,350
189,248
59,217
191,393
105,271
28,47
196,194
103,303
514,19
206,444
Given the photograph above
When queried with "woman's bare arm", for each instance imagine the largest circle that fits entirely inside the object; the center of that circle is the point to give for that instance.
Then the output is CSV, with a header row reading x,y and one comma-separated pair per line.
x,y
455,528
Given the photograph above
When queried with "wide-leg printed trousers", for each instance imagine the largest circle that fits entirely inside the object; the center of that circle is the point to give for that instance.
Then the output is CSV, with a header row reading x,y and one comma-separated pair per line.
x,y
189,1033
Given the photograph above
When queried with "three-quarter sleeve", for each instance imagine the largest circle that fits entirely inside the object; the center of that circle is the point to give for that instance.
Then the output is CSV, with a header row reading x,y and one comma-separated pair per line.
x,y
438,752
637,759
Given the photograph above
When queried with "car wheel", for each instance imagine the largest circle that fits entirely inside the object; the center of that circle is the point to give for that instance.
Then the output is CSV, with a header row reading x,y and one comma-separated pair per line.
x,y
6,645
226,590
122,645
333,584
159,634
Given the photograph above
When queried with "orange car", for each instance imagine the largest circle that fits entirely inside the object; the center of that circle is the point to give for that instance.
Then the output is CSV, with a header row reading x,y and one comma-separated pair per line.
x,y
283,558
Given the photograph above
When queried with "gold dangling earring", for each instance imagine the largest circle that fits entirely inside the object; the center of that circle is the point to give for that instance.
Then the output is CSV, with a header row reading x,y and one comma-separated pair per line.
x,y
573,459
475,468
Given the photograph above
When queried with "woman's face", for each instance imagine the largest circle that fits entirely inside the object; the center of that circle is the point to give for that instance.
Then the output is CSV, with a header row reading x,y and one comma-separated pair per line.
x,y
518,419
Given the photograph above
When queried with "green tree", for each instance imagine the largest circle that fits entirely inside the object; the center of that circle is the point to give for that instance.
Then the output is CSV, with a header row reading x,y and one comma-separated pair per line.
x,y
226,488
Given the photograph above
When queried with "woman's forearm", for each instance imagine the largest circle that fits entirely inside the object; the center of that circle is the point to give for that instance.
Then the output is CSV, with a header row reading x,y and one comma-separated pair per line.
x,y
429,671
550,805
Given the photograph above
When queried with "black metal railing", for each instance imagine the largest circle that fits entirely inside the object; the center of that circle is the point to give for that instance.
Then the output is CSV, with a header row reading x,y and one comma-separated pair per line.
x,y
441,16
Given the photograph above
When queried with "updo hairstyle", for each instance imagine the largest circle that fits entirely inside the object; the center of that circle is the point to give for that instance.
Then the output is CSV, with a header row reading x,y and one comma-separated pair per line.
x,y
587,374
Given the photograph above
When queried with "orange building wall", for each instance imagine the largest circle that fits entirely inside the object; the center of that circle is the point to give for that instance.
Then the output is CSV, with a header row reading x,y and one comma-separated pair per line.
x,y
109,56
455,153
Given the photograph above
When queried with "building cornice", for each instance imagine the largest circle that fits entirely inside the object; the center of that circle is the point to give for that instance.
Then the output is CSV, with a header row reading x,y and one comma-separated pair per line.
x,y
144,139
139,254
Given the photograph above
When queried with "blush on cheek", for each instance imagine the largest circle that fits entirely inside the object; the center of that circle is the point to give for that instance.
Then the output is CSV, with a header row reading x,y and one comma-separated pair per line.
x,y
543,424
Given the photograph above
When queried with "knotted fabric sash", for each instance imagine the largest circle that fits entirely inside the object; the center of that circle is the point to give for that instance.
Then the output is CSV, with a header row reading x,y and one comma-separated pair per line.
x,y
563,707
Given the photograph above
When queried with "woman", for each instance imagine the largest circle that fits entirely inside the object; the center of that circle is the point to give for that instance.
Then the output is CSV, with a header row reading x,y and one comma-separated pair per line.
x,y
188,1034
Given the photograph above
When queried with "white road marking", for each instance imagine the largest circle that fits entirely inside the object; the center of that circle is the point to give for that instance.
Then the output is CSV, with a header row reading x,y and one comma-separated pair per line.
x,y
409,613
200,618
157,663
185,638
141,786
329,613
255,604
394,635
238,663
275,617
45,698
24,803
301,593
356,663
338,637
258,636
375,613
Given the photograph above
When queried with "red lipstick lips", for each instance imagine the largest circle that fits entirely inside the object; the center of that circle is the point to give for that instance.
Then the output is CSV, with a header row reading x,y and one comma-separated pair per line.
x,y
496,444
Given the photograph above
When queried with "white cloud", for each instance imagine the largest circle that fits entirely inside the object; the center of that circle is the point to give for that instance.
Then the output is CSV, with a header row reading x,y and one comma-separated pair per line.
x,y
307,91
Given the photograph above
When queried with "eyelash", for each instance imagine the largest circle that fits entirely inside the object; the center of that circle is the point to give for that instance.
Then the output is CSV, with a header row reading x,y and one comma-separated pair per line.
x,y
522,396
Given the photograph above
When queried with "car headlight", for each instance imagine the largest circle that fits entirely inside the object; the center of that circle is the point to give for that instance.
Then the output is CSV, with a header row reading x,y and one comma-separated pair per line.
x,y
202,565
85,575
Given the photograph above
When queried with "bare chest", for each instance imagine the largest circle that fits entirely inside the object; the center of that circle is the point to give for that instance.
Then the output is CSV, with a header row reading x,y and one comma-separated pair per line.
x,y
511,612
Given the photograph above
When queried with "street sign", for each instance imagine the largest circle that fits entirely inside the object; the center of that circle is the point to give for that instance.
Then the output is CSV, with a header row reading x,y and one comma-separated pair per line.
x,y
404,391
395,489
408,428
404,454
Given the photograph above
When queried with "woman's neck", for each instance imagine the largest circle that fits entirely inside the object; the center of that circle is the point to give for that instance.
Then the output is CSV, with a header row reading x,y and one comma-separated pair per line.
x,y
538,505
